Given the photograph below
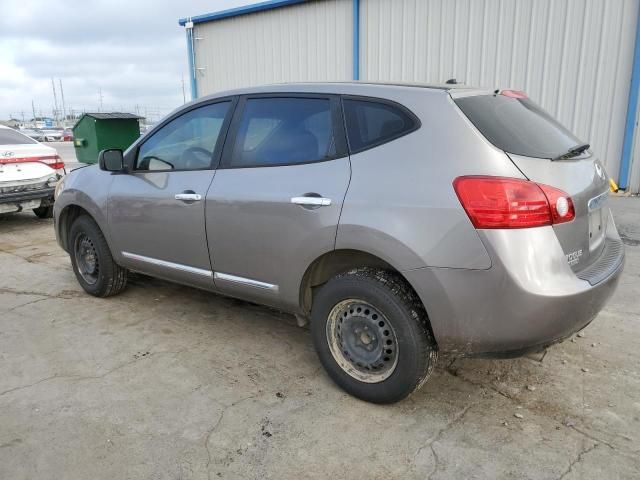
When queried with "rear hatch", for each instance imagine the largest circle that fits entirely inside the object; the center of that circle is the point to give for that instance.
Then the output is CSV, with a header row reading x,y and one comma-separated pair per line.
x,y
547,153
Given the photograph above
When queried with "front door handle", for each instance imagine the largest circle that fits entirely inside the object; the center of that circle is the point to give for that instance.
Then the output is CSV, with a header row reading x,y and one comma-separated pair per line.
x,y
311,201
188,196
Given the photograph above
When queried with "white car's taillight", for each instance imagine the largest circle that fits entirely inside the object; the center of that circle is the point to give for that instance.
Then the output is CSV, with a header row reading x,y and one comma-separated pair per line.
x,y
53,161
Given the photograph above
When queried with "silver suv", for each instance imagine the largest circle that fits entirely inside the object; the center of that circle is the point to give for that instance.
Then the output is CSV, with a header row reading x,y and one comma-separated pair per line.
x,y
399,220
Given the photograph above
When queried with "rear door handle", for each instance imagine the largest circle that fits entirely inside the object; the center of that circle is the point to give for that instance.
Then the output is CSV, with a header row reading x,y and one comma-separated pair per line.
x,y
311,201
188,196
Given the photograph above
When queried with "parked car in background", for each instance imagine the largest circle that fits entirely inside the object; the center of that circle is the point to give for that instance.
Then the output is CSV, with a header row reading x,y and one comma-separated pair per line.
x,y
52,135
34,133
29,173
67,135
401,221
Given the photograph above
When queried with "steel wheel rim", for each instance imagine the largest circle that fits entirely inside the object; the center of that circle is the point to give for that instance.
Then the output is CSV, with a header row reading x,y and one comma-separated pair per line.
x,y
87,259
362,341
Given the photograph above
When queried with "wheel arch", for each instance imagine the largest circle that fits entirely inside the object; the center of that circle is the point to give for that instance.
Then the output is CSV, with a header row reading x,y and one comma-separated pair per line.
x,y
68,214
332,263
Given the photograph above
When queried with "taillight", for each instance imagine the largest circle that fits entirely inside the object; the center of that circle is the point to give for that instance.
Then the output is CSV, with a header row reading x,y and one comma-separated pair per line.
x,y
53,161
499,202
560,203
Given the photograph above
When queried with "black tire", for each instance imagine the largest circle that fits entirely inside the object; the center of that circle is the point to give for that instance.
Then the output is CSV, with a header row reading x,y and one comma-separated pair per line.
x,y
44,212
388,293
108,278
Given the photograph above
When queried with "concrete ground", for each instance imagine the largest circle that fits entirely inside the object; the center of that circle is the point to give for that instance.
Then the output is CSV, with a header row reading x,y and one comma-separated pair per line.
x,y
168,382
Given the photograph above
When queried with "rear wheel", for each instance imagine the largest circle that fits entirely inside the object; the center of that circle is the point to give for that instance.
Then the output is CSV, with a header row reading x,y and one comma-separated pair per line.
x,y
372,335
44,212
92,262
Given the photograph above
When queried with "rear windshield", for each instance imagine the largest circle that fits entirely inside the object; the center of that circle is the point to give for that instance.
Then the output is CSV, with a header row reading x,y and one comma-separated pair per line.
x,y
518,125
11,137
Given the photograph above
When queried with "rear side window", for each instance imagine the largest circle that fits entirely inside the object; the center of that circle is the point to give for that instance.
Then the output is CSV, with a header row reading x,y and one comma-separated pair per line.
x,y
518,125
371,123
11,137
284,131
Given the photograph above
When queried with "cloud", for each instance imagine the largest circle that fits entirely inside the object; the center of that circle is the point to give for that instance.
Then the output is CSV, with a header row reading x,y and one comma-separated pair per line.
x,y
134,52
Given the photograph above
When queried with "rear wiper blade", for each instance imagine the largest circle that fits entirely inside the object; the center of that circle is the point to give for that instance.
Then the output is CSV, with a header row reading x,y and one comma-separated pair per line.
x,y
573,151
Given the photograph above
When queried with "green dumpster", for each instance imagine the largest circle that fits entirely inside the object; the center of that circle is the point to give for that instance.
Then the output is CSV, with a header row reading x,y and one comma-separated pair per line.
x,y
94,132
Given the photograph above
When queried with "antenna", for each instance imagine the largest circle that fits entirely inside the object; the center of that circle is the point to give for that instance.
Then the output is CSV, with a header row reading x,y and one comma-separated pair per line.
x,y
100,94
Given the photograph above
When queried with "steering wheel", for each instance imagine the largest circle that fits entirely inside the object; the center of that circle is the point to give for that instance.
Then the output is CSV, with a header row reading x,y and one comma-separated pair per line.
x,y
197,150
194,154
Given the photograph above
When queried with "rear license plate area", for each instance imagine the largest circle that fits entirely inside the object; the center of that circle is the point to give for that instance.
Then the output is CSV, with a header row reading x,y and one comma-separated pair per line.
x,y
597,220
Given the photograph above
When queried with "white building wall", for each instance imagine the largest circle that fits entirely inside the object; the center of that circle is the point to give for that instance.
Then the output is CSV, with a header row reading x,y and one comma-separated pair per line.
x,y
574,57
311,41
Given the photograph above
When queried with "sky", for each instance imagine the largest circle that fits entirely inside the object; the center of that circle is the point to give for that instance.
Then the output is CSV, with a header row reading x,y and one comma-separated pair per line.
x,y
134,52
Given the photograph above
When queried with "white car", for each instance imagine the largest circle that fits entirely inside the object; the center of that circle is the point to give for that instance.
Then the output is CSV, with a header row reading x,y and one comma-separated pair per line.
x,y
29,173
52,135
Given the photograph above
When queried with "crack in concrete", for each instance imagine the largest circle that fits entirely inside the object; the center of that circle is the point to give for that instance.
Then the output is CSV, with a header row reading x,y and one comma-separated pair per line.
x,y
90,377
574,428
215,427
13,309
577,460
430,443
436,459
22,387
65,294
593,438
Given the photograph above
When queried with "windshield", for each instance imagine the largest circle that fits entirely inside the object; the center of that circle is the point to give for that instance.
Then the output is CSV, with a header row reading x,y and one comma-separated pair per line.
x,y
518,126
11,137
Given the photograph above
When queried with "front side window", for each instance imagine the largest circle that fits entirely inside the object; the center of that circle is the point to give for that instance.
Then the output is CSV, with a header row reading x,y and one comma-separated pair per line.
x,y
284,131
371,123
186,142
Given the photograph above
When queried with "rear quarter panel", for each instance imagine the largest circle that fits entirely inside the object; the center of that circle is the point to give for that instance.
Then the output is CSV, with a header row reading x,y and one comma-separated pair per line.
x,y
401,205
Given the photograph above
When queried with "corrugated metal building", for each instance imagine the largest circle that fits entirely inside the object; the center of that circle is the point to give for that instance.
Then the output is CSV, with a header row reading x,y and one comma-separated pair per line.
x,y
577,58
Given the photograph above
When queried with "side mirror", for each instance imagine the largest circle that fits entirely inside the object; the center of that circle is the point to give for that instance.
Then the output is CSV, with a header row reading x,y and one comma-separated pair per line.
x,y
111,160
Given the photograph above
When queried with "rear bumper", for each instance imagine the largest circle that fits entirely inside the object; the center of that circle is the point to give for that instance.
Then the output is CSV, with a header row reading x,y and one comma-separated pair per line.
x,y
529,298
18,197
18,201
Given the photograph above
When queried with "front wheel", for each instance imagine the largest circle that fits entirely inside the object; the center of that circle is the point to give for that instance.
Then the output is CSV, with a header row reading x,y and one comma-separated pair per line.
x,y
372,335
92,262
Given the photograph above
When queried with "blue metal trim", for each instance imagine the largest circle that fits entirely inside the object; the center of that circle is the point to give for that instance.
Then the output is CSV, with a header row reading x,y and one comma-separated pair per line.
x,y
356,39
192,67
632,109
234,12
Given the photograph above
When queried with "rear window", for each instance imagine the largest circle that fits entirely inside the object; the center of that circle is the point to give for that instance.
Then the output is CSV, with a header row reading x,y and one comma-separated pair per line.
x,y
518,126
11,137
371,123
